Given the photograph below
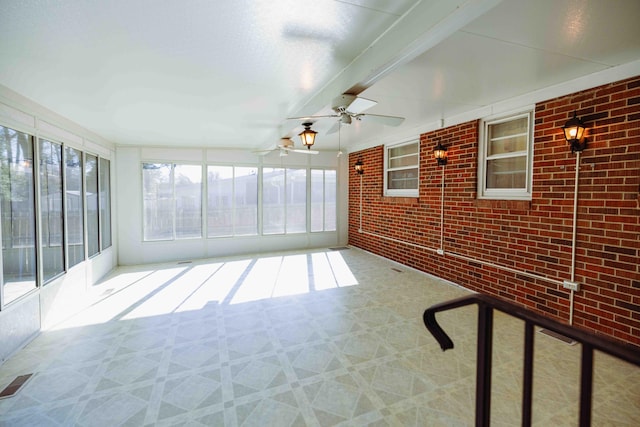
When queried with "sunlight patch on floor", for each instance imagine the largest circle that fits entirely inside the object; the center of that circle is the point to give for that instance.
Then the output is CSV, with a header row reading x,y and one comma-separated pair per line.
x,y
322,272
341,270
128,288
175,292
217,287
292,278
152,292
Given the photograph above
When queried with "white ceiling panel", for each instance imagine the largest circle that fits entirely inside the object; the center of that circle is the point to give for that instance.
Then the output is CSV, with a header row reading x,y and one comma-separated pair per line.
x,y
603,31
201,73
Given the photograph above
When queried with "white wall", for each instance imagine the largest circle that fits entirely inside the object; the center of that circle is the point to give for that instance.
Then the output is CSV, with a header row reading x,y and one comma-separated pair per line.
x,y
132,248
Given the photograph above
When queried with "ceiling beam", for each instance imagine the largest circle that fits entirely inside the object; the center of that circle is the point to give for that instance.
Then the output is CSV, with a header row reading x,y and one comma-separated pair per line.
x,y
421,28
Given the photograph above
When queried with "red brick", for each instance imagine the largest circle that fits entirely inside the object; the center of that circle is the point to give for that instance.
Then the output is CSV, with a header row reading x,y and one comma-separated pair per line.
x,y
531,236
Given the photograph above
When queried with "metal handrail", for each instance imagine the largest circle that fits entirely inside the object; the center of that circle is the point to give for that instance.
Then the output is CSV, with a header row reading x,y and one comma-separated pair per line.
x,y
486,305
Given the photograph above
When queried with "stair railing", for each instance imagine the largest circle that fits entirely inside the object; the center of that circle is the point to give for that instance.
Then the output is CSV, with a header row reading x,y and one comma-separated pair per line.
x,y
486,304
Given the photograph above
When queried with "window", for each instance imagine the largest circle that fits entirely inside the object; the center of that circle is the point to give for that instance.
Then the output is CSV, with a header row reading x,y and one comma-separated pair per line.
x,y
323,200
105,203
273,212
68,182
284,201
241,201
505,158
232,201
172,202
91,195
74,206
17,204
51,214
402,169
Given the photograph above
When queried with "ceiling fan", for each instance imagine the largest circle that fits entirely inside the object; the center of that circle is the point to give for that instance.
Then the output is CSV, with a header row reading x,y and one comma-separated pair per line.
x,y
349,107
286,146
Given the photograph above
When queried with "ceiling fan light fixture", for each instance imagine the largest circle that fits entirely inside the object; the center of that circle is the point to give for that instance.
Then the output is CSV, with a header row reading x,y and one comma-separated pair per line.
x,y
308,136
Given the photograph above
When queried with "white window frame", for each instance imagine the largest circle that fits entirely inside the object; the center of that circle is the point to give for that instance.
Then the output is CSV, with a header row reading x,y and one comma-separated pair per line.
x,y
233,199
392,192
174,236
324,199
505,193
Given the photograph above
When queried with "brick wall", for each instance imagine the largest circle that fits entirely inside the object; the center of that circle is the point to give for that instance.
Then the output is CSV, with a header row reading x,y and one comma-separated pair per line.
x,y
530,241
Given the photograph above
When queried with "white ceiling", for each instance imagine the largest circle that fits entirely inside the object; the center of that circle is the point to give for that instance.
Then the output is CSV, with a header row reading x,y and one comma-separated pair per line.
x,y
228,73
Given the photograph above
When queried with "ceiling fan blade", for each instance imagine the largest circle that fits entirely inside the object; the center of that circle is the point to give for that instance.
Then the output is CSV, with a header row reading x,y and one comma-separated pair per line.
x,y
300,150
360,104
312,117
262,152
384,120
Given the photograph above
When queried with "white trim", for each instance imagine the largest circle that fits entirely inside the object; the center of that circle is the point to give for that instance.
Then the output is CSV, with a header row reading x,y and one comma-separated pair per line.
x,y
505,193
400,192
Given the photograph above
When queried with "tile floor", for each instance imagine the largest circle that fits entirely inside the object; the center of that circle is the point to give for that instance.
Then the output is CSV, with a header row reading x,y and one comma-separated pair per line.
x,y
309,339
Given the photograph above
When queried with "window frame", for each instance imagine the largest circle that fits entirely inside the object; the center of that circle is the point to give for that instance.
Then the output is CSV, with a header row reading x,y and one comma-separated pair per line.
x,y
71,260
91,221
45,279
172,179
288,205
483,145
234,205
404,192
35,283
104,203
326,226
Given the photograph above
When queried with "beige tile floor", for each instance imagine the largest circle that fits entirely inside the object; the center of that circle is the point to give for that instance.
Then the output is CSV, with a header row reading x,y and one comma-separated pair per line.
x,y
308,339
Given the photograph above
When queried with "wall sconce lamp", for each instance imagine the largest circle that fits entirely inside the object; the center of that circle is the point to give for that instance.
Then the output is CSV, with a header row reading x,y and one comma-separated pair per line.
x,y
440,154
307,136
574,133
359,167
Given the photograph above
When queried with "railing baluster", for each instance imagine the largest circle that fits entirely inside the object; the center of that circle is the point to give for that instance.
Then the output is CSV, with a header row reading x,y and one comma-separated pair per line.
x,y
586,385
486,304
527,386
483,365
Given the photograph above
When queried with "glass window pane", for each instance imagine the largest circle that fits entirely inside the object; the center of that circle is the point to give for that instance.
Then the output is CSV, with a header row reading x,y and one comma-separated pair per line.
x,y
74,206
403,179
51,215
105,202
317,200
219,201
158,201
273,200
330,197
509,128
246,201
400,162
507,173
188,193
17,202
402,169
296,200
403,150
323,200
507,137
91,194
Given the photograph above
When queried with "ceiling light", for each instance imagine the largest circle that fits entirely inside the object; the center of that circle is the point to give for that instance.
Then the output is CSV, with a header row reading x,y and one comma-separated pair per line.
x,y
308,136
